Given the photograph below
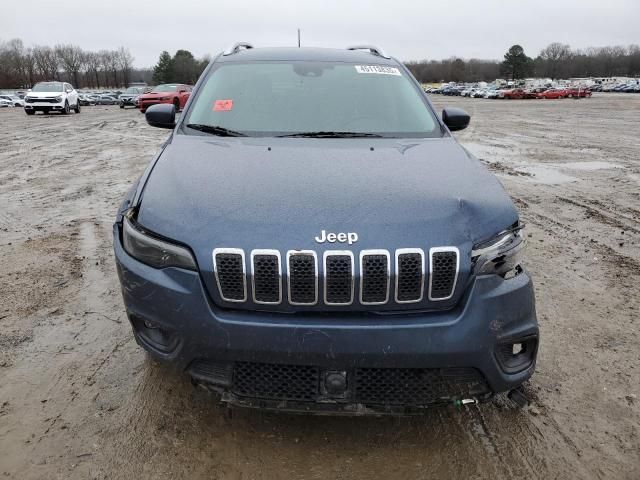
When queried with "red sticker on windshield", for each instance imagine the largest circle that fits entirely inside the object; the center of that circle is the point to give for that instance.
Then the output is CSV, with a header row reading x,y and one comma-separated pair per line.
x,y
222,105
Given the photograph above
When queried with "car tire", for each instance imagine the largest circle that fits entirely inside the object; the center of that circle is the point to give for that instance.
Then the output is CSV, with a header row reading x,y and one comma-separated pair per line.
x,y
66,109
176,103
30,112
121,105
77,107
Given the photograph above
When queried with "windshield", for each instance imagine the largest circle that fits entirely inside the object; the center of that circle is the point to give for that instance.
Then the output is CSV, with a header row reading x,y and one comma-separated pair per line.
x,y
47,87
284,98
134,90
165,88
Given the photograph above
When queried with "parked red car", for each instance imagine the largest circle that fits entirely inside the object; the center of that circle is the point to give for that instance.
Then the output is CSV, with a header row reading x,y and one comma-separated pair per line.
x,y
534,92
554,93
578,92
175,93
514,93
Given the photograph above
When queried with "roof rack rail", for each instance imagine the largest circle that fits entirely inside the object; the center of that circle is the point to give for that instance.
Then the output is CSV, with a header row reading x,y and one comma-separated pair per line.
x,y
374,50
236,48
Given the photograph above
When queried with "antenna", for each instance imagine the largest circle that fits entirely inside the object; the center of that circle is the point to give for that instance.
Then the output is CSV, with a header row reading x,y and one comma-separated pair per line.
x,y
298,38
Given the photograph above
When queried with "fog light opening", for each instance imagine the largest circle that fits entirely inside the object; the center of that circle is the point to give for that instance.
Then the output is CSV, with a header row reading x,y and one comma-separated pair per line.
x,y
517,354
154,335
517,348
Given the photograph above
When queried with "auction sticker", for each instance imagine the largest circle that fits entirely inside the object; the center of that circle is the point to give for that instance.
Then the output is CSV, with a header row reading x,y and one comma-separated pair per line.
x,y
378,69
222,105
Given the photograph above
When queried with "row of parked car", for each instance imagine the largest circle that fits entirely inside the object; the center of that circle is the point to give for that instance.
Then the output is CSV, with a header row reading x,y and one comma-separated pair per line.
x,y
512,93
622,88
139,97
59,96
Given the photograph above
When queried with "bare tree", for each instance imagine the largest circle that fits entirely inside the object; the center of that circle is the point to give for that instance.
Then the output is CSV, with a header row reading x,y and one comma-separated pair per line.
x,y
555,58
71,59
125,63
47,63
93,63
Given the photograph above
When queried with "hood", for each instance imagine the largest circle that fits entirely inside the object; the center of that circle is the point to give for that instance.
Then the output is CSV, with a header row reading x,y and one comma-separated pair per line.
x,y
212,192
277,193
44,94
156,94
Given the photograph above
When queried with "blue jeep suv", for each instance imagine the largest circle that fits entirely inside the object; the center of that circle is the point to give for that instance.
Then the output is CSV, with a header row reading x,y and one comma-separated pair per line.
x,y
312,238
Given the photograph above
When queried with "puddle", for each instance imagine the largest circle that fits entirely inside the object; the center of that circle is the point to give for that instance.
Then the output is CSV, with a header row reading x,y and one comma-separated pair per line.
x,y
546,175
588,166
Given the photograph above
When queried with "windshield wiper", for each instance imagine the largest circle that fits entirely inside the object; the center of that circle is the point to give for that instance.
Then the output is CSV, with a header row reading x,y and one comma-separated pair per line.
x,y
215,130
322,134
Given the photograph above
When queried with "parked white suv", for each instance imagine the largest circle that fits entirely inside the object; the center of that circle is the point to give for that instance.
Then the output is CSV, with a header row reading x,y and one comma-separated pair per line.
x,y
51,96
15,100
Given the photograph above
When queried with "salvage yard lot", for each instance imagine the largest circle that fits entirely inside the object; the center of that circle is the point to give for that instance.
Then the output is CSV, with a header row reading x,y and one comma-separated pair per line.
x,y
79,399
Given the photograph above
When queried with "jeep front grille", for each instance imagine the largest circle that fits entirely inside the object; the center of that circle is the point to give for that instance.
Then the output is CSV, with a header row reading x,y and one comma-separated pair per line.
x,y
337,280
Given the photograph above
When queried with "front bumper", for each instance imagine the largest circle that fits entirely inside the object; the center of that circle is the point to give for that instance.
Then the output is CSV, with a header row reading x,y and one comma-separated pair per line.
x,y
44,106
144,104
126,101
211,343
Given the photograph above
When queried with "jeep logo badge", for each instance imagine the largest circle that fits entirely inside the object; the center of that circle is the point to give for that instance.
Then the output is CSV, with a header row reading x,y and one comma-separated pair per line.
x,y
341,237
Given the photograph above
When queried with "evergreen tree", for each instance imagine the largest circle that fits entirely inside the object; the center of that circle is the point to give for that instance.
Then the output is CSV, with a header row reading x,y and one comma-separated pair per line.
x,y
163,71
516,64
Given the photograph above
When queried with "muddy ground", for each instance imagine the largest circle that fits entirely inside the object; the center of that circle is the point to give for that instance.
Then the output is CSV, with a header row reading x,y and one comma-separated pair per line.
x,y
79,399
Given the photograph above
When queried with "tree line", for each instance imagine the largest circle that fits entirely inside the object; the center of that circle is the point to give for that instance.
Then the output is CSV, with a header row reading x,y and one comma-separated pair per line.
x,y
555,61
22,67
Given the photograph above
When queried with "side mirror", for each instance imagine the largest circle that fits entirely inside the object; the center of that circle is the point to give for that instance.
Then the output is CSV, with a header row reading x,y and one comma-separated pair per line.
x,y
455,118
162,115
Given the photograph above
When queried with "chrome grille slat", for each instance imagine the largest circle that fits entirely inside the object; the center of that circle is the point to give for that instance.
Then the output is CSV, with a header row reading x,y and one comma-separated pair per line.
x,y
229,269
338,277
266,276
409,275
444,265
375,277
302,275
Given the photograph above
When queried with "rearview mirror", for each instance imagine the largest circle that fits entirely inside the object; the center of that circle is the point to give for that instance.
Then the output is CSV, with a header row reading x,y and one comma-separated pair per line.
x,y
162,115
455,118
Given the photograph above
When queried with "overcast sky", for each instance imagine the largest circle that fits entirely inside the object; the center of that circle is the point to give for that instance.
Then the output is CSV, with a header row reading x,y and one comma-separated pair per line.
x,y
407,29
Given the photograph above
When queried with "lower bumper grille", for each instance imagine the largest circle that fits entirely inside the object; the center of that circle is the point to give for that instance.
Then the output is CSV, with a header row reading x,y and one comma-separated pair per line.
x,y
368,386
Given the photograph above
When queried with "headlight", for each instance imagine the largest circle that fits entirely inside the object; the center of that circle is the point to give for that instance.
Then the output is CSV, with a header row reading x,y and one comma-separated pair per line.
x,y
153,251
501,254
58,98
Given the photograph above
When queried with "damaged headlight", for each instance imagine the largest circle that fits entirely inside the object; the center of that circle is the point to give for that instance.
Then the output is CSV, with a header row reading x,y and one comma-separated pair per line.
x,y
153,251
501,254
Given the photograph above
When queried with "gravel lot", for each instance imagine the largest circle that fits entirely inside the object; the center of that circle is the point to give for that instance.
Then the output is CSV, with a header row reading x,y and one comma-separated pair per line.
x,y
79,399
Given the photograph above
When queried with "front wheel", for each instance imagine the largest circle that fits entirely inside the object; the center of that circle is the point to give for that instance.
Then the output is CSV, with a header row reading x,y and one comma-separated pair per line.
x,y
77,107
176,103
122,105
30,112
66,109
